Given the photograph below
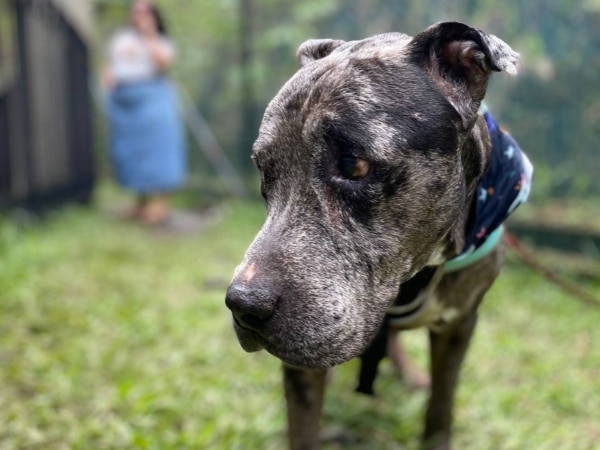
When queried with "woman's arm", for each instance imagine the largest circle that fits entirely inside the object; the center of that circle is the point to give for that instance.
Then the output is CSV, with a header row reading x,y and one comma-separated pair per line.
x,y
161,52
107,79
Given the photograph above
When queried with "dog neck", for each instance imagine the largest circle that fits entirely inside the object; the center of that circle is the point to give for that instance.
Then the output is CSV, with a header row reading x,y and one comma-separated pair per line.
x,y
475,154
498,178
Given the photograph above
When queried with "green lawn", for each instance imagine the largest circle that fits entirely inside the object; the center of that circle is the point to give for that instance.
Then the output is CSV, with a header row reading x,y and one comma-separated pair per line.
x,y
117,337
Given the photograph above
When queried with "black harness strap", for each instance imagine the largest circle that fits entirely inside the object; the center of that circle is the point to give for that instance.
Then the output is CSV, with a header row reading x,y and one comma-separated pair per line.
x,y
377,349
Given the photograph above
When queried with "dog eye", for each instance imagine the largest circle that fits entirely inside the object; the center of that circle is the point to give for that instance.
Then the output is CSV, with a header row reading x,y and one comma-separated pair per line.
x,y
353,168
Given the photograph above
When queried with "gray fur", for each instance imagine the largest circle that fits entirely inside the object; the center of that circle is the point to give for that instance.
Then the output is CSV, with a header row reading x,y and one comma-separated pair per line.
x,y
315,284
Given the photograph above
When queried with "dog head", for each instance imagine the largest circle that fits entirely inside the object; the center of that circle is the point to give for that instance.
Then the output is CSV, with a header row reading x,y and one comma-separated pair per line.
x,y
368,155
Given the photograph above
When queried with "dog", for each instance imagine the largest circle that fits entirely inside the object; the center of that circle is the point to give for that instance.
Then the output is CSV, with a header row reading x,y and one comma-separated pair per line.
x,y
372,158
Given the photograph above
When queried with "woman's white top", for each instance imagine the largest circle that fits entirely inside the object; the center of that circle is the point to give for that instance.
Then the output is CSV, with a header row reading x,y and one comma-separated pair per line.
x,y
130,59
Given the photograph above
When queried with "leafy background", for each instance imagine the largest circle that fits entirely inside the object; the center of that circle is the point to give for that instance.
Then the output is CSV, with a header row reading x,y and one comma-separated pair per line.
x,y
552,107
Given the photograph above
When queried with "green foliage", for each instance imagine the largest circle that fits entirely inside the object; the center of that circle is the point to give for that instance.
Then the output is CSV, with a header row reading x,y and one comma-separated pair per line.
x,y
113,336
552,107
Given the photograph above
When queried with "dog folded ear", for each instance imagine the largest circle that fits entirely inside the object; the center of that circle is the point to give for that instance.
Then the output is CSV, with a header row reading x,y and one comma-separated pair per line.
x,y
462,55
314,49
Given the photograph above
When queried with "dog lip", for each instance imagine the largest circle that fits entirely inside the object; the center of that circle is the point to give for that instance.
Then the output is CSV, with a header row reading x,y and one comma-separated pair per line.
x,y
240,324
248,338
245,325
249,322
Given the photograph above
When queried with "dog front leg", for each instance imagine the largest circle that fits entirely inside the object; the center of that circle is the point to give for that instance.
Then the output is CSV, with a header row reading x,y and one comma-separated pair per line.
x,y
304,391
447,351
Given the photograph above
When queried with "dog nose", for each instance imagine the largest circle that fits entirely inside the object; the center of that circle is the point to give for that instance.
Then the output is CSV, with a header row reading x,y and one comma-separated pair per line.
x,y
251,307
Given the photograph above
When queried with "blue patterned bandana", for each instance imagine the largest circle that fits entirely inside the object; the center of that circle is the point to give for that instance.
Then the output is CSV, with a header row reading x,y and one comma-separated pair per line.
x,y
504,187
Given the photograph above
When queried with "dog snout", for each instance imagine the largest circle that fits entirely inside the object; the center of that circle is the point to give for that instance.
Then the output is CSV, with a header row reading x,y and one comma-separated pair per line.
x,y
251,306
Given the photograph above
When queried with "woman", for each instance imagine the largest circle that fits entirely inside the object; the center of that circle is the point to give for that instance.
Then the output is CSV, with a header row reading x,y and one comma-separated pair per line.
x,y
147,142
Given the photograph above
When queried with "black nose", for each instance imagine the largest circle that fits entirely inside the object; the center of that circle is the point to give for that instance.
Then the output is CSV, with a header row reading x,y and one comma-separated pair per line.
x,y
251,306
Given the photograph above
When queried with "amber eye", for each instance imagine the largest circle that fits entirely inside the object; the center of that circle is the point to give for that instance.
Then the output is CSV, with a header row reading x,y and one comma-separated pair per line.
x,y
354,168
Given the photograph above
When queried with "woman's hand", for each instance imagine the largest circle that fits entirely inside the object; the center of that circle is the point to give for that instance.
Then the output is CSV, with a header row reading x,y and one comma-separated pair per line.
x,y
107,79
146,24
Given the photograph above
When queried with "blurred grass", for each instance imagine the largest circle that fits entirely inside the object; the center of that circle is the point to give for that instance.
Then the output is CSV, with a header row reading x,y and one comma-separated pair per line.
x,y
115,337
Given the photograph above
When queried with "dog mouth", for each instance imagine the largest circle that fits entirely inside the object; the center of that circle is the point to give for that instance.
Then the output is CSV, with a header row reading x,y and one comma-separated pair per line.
x,y
249,339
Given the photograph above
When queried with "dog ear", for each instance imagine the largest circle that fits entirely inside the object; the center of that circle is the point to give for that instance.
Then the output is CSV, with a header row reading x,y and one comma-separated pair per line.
x,y
462,55
314,49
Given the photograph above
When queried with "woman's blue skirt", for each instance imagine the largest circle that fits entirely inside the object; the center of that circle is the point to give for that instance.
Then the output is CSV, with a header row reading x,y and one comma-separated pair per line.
x,y
147,139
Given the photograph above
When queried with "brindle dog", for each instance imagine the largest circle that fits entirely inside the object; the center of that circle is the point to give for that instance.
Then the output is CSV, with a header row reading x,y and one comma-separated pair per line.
x,y
369,156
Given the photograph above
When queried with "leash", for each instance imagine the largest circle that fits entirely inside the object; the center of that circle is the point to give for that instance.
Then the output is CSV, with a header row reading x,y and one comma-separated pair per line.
x,y
566,286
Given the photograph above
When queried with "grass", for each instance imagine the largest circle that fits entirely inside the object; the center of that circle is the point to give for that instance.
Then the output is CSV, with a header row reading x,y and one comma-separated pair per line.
x,y
115,337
